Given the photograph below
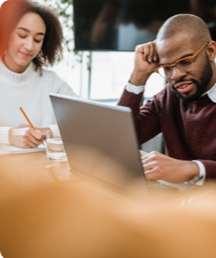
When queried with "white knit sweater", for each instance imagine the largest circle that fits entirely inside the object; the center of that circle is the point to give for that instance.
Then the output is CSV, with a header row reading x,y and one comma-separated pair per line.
x,y
30,91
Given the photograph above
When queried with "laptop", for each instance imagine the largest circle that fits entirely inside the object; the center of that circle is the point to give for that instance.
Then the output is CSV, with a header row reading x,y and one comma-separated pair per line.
x,y
101,143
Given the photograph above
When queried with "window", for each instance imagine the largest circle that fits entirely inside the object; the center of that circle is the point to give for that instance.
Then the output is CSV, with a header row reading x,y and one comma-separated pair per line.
x,y
110,73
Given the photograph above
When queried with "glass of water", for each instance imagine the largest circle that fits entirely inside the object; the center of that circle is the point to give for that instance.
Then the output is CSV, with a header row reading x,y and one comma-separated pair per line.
x,y
54,147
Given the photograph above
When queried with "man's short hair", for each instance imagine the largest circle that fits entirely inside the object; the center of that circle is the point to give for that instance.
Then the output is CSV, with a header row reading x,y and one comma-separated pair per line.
x,y
189,23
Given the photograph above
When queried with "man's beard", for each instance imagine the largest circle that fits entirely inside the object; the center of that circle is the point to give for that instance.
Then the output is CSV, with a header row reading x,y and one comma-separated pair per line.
x,y
201,86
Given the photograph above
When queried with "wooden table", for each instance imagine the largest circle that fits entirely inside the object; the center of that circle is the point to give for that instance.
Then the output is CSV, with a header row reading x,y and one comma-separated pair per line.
x,y
14,169
76,218
17,166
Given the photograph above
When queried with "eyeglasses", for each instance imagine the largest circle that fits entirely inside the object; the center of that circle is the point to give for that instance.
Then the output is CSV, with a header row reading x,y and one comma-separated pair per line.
x,y
184,64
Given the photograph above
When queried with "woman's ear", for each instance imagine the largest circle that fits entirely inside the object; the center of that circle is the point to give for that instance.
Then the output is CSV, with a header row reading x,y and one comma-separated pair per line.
x,y
211,50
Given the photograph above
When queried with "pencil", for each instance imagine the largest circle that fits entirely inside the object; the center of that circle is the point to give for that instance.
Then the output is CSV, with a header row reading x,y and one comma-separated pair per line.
x,y
28,121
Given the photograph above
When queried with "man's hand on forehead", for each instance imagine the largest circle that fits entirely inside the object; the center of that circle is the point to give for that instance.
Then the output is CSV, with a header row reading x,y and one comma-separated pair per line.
x,y
146,60
148,51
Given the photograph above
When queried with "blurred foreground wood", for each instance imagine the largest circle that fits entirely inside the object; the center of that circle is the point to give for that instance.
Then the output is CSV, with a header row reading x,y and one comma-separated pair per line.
x,y
72,219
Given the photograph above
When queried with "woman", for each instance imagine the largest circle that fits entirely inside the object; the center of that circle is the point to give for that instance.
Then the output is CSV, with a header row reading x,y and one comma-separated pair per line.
x,y
30,37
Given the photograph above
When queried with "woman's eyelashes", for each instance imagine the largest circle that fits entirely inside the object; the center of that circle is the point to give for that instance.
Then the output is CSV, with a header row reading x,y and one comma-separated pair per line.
x,y
25,36
37,41
22,36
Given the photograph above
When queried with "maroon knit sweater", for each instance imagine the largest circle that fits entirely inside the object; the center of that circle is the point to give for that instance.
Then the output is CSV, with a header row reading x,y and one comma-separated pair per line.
x,y
189,129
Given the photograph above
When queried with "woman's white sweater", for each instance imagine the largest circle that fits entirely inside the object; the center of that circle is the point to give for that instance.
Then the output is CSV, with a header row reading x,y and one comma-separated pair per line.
x,y
28,90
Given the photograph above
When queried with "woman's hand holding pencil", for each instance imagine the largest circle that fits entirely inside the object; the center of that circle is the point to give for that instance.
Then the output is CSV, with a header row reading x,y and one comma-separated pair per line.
x,y
25,136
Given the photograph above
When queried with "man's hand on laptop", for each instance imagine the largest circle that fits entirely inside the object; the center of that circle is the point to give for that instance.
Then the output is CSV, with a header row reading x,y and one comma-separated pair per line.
x,y
158,166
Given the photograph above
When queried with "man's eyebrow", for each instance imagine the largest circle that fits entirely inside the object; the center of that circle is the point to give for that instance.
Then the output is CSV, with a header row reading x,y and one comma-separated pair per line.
x,y
187,55
39,33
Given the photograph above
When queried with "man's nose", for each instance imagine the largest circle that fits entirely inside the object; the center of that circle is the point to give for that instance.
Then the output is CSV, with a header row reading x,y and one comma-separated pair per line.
x,y
177,74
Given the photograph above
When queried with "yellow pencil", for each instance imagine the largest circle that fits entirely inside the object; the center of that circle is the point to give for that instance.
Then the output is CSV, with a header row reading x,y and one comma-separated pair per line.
x,y
28,121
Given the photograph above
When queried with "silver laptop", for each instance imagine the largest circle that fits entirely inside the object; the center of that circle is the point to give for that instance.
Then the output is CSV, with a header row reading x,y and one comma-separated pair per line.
x,y
101,144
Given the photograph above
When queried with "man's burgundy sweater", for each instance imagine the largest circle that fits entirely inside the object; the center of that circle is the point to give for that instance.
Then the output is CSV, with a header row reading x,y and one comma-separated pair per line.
x,y
189,129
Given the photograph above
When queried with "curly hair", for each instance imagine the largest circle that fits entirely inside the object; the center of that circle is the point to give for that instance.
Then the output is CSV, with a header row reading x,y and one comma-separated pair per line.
x,y
13,10
51,50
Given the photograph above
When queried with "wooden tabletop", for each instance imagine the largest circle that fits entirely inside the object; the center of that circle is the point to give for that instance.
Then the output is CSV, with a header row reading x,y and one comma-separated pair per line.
x,y
14,169
17,166
76,218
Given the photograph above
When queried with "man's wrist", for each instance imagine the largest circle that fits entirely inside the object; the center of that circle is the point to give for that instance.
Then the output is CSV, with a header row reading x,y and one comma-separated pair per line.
x,y
138,78
134,89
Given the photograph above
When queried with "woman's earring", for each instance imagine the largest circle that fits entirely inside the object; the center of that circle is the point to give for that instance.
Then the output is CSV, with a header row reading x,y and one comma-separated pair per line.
x,y
40,53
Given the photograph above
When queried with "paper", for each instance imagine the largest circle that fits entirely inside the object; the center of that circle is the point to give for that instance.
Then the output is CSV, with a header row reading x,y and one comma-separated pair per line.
x,y
10,149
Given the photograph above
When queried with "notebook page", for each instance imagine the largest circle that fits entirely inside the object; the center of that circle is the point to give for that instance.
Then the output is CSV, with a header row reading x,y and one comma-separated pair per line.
x,y
10,149
3,151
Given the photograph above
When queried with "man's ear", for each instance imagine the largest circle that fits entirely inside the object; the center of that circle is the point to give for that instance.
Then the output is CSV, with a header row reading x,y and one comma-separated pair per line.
x,y
211,50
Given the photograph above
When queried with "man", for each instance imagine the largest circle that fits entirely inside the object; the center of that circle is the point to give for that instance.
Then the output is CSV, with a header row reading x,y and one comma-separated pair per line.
x,y
185,110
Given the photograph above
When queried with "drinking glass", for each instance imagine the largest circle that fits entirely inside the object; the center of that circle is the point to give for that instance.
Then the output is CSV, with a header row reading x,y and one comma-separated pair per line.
x,y
54,147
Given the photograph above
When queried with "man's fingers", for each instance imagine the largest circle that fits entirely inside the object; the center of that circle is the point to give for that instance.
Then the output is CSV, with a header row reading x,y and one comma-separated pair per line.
x,y
148,51
151,174
151,166
147,167
151,52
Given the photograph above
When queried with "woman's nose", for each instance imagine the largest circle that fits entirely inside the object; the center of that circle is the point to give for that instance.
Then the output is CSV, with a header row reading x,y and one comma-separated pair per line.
x,y
29,44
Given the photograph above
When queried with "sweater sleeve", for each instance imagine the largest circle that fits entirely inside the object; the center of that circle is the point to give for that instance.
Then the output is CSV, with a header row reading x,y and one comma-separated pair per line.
x,y
146,118
4,135
63,88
